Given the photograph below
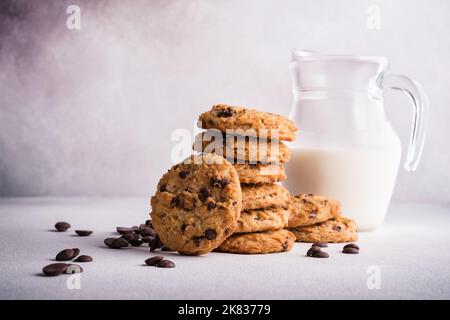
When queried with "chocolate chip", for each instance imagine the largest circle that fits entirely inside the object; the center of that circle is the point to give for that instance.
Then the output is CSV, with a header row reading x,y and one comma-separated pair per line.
x,y
285,246
252,165
130,236
198,240
337,228
83,233
65,255
62,226
311,251
225,113
119,243
165,264
76,252
83,258
320,254
74,268
211,205
183,227
55,269
350,250
177,202
148,223
164,248
210,234
183,174
153,261
146,232
320,244
218,182
123,230
136,243
204,194
108,242
352,245
162,188
155,244
147,239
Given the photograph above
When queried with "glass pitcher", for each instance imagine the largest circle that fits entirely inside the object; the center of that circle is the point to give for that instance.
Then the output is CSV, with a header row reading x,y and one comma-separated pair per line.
x,y
346,148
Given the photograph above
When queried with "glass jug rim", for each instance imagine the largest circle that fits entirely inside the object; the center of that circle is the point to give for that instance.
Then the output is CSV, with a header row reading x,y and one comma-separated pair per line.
x,y
317,56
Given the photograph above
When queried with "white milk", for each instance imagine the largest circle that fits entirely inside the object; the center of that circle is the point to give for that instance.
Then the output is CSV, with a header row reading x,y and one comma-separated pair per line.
x,y
361,179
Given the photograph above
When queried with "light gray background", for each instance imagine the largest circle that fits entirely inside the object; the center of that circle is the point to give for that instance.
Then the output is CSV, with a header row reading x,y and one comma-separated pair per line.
x,y
91,112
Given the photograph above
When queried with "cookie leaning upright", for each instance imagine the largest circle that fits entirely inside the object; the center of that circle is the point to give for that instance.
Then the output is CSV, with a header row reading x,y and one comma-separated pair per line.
x,y
223,117
197,204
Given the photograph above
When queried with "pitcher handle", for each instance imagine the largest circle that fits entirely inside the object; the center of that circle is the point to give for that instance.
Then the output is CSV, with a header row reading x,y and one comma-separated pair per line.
x,y
420,105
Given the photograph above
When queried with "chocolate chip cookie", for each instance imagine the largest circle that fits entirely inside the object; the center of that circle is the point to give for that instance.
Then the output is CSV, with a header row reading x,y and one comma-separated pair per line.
x,y
339,229
254,123
248,149
197,204
308,209
259,242
260,173
261,196
262,220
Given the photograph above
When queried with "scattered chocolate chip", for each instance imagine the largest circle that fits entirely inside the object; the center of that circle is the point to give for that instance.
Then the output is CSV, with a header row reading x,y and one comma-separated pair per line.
x,y
62,226
350,250
211,205
153,261
177,201
320,254
320,244
83,258
65,255
83,233
74,268
136,243
108,242
204,194
76,252
147,239
210,234
55,269
225,113
252,165
311,250
155,244
123,230
146,232
120,243
218,182
130,236
162,188
183,174
148,223
285,246
210,122
352,245
165,264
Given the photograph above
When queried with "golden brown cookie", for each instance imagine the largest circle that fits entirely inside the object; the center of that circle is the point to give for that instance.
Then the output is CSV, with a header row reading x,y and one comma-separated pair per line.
x,y
248,149
260,173
259,242
254,123
339,229
308,209
197,204
260,196
262,220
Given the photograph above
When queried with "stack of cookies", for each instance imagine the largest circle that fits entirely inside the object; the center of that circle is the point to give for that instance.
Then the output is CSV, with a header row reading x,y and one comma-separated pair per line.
x,y
251,141
315,218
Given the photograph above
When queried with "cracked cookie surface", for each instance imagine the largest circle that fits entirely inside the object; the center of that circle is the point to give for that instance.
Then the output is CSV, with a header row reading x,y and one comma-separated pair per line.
x,y
261,196
223,117
197,204
248,149
259,242
260,173
339,229
309,209
262,220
